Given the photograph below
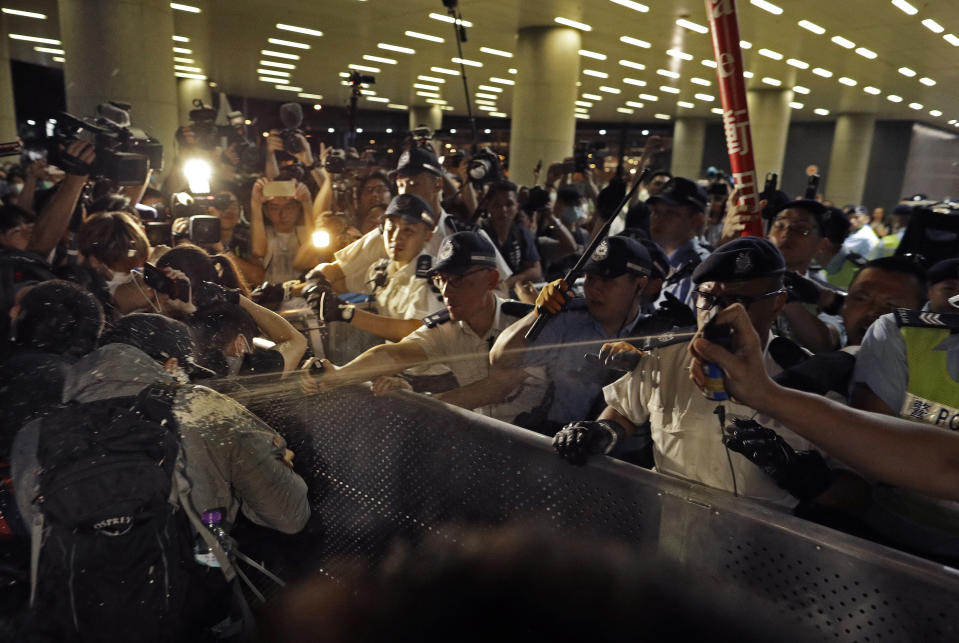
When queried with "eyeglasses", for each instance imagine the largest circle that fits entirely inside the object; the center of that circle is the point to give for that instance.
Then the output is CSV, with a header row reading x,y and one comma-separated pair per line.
x,y
372,189
453,281
783,227
706,300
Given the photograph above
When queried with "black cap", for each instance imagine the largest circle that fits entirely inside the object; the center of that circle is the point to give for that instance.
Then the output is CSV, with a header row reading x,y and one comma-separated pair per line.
x,y
945,269
680,191
415,161
836,225
461,251
410,207
538,199
657,256
742,259
902,210
158,336
813,207
615,256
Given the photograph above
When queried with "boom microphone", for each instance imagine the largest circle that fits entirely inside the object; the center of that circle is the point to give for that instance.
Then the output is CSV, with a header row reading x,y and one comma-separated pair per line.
x,y
291,114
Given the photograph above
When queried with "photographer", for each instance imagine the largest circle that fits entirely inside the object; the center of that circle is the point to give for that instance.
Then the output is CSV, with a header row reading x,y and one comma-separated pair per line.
x,y
373,191
53,219
285,245
235,236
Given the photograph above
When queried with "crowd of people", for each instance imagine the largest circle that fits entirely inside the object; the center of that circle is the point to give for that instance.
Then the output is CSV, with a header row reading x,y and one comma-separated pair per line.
x,y
139,317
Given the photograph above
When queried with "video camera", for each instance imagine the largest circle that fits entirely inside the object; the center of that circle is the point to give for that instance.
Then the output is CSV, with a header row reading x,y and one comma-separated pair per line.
x,y
202,131
247,152
339,161
291,114
584,157
124,154
484,167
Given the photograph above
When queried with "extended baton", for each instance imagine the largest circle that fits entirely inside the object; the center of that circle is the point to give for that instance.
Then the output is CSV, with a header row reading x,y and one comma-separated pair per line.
x,y
573,272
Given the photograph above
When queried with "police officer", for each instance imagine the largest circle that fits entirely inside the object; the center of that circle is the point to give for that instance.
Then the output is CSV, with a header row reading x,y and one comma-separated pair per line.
x,y
839,263
398,282
459,337
687,437
616,274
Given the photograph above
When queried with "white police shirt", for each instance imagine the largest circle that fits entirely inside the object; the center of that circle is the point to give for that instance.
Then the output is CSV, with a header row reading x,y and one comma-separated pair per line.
x,y
687,441
467,355
405,295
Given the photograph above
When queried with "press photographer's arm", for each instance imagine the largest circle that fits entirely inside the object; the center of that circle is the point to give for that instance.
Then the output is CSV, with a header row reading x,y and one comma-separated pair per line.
x,y
893,450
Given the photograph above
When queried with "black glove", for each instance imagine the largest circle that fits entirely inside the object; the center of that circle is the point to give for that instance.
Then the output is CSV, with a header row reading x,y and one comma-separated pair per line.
x,y
269,295
324,301
578,440
803,474
800,288
676,310
207,293
316,277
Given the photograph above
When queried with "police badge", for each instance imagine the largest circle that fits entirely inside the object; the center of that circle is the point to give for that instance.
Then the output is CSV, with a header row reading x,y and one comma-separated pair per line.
x,y
446,250
744,263
601,251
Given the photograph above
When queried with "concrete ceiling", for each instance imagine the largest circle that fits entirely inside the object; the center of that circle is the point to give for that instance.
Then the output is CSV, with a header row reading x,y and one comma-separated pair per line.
x,y
227,36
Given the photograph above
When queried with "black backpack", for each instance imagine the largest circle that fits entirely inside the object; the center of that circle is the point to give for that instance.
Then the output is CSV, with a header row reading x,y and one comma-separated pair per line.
x,y
115,560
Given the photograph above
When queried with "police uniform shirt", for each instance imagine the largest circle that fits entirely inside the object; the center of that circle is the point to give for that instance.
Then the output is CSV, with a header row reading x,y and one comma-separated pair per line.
x,y
685,258
405,295
561,347
687,440
445,228
882,365
519,247
467,355
863,242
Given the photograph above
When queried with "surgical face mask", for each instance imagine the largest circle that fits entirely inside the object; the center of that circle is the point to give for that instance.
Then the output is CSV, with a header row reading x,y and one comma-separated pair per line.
x,y
45,185
234,362
16,188
118,279
571,214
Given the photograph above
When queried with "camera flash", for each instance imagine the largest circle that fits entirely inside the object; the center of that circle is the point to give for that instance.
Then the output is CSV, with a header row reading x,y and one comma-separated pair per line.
x,y
321,238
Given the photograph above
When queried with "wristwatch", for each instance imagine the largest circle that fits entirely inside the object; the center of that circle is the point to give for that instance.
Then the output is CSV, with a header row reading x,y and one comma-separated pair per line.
x,y
346,312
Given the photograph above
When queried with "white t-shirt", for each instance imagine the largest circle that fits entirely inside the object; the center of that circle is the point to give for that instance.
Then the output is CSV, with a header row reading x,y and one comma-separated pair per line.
x,y
281,249
405,295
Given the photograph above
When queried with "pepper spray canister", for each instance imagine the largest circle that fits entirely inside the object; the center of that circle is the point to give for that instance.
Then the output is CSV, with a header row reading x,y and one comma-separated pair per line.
x,y
721,335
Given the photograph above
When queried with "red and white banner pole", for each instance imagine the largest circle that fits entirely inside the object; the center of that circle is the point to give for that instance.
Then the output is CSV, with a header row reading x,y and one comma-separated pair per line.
x,y
724,27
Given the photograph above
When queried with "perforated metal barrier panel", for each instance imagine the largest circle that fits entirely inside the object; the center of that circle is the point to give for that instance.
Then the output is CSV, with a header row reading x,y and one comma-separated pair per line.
x,y
406,465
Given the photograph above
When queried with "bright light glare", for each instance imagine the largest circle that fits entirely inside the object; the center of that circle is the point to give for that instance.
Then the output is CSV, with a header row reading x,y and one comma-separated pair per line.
x,y
321,239
197,173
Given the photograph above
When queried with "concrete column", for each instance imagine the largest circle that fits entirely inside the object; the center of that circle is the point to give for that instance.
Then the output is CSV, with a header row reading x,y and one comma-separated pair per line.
x,y
543,122
122,50
689,136
429,115
769,114
8,117
849,157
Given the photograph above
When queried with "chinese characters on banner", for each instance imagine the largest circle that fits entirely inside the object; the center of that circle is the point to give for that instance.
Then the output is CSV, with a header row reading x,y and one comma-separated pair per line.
x,y
732,93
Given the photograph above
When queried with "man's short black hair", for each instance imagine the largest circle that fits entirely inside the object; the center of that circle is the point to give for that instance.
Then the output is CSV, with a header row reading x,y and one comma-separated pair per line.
x,y
904,265
569,194
655,173
11,216
59,317
500,186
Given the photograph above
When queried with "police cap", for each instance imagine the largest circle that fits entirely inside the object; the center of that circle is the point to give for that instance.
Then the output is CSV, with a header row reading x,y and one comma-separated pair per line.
x,y
741,260
417,160
945,269
411,207
615,256
461,251
680,191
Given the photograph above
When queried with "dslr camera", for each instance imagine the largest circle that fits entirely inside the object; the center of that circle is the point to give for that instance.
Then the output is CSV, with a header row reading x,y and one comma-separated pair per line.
x,y
247,152
484,167
124,154
291,114
202,131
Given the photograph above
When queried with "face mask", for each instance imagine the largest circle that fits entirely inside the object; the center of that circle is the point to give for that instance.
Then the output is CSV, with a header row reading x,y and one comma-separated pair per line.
x,y
118,279
571,214
16,188
45,185
234,362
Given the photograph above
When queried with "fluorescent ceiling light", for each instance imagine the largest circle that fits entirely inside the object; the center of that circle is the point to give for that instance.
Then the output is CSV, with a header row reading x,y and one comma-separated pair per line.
x,y
766,6
709,63
667,73
637,105
313,96
686,104
631,64
181,39
479,95
498,114
706,97
379,59
270,79
496,52
480,101
180,74
825,73
848,82
649,97
290,88
367,92
302,30
436,101
933,26
444,18
634,81
662,117
486,108
195,70
43,41
573,23
866,53
675,53
799,89
512,70
428,94
277,54
270,63
182,50
24,14
748,74
397,106
445,70
187,61
915,105
60,52
796,105
434,79
700,81
843,42
424,36
176,6
372,70
905,7
952,39
812,26
595,55
893,98
467,62
745,44
593,96
629,4
668,89
821,111
769,53
692,26
935,113
717,111
580,110
595,74
797,63
288,43
377,99
624,110
485,88
432,88
905,71
583,103
609,90
502,81
928,82
396,48
875,91
635,42
772,81
60,59
582,116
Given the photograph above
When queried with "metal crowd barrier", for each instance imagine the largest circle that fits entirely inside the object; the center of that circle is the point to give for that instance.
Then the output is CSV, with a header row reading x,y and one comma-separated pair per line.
x,y
406,465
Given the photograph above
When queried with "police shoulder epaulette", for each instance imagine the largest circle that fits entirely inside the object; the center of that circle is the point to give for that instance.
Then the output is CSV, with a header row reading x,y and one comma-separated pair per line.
x,y
677,335
577,303
515,308
926,319
423,265
454,224
856,259
786,352
437,318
